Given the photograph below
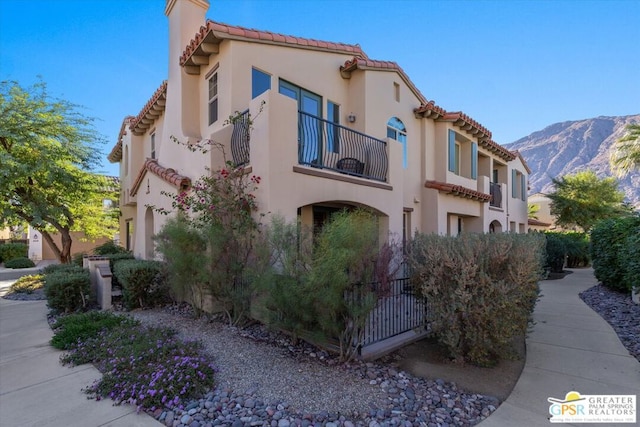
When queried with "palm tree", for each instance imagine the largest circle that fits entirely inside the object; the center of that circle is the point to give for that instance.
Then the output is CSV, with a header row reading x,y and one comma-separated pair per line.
x,y
532,210
625,153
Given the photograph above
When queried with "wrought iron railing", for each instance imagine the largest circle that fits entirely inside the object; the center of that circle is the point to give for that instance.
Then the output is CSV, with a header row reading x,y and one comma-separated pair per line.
x,y
327,145
495,190
240,150
399,309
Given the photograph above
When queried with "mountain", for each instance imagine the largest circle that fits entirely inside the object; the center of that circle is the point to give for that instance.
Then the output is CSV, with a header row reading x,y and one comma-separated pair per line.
x,y
568,147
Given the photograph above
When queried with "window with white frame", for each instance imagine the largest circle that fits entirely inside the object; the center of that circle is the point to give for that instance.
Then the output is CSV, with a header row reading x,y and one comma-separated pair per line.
x,y
396,130
213,98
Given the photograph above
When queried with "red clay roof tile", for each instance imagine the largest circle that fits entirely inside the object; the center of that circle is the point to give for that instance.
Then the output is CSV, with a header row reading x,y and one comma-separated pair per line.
x,y
220,31
160,94
116,152
457,190
166,174
369,64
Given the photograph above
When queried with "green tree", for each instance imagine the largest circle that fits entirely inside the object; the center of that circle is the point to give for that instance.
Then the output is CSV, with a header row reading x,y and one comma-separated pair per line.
x,y
582,199
532,210
47,153
625,153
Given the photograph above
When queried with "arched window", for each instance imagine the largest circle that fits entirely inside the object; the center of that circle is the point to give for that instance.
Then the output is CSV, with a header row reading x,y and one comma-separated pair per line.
x,y
397,131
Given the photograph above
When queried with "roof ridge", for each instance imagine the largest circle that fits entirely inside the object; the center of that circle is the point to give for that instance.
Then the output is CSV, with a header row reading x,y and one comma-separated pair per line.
x,y
238,32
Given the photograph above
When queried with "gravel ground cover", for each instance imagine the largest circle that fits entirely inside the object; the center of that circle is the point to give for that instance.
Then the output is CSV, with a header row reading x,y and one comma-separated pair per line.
x,y
266,380
620,311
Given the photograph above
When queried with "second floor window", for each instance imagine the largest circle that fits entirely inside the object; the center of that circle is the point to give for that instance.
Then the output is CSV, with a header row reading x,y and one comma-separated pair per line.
x,y
397,131
260,82
213,98
153,145
462,156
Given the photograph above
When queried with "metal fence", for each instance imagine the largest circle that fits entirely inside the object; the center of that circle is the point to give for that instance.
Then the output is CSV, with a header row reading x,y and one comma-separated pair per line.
x,y
240,136
398,311
328,145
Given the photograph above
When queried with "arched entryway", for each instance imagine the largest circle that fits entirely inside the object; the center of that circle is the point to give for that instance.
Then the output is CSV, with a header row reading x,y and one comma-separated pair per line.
x,y
495,227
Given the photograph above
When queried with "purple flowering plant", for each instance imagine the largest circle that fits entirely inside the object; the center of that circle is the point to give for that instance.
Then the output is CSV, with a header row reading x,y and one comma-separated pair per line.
x,y
143,366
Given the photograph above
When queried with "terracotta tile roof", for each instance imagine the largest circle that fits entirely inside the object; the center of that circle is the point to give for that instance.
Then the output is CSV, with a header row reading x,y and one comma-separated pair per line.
x,y
457,190
429,110
465,122
533,221
116,152
151,110
166,174
214,32
359,63
497,149
515,154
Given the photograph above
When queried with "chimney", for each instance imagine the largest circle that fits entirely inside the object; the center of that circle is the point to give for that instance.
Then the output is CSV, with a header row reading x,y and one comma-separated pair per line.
x,y
185,19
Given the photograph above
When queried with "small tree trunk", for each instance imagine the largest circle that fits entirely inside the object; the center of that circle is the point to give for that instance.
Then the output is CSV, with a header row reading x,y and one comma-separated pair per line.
x,y
65,254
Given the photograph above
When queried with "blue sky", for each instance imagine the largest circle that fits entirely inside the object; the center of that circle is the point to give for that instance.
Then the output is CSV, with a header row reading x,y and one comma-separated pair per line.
x,y
514,66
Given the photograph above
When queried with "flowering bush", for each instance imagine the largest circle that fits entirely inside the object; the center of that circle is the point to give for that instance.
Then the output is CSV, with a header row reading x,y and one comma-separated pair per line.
x,y
147,367
218,216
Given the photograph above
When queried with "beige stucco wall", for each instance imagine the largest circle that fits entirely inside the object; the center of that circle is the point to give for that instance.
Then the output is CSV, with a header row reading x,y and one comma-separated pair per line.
x,y
286,186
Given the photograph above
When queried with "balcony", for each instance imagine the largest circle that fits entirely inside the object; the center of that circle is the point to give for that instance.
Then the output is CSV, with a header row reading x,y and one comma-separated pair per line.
x,y
495,190
327,145
240,138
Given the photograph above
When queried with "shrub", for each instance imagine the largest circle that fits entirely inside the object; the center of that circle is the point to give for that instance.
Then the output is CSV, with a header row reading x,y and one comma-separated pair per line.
x,y
78,259
19,263
109,247
184,250
577,247
556,250
61,268
67,291
481,289
330,292
9,251
143,283
27,284
631,260
608,251
80,327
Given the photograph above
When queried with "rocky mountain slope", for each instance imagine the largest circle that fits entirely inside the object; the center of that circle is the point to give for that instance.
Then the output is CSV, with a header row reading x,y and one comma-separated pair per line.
x,y
569,147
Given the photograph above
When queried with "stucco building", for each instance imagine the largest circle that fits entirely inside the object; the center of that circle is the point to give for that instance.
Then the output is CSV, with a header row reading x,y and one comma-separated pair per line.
x,y
331,128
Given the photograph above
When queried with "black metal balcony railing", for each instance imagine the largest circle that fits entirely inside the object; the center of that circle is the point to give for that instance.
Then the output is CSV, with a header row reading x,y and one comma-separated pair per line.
x,y
327,145
240,139
495,190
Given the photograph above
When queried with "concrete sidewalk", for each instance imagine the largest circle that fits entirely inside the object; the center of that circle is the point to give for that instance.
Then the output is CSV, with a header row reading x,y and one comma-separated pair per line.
x,y
36,390
571,348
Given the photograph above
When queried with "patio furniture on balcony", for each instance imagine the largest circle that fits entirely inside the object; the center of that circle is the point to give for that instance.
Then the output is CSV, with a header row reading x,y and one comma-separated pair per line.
x,y
328,145
350,165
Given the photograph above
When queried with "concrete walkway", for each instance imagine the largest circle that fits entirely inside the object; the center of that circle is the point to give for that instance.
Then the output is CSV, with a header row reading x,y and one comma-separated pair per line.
x,y
571,348
35,389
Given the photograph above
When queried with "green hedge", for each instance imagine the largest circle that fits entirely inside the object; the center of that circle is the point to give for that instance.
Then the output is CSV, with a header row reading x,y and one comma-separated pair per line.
x,y
109,247
569,247
62,268
19,263
67,290
614,251
143,282
9,251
